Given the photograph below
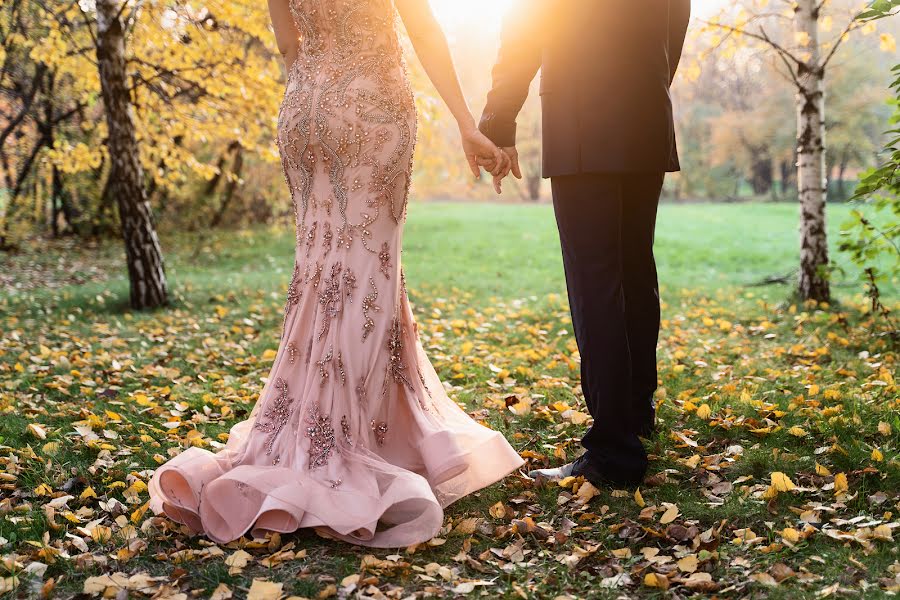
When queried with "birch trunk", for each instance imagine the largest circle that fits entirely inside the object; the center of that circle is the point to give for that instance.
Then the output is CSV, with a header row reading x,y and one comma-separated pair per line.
x,y
811,180
146,271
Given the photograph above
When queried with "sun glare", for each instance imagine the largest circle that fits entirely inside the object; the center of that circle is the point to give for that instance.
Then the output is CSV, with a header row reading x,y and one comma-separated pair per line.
x,y
484,14
488,14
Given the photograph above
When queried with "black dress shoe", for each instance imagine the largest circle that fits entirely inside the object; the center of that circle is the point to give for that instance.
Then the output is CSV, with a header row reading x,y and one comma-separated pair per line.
x,y
603,470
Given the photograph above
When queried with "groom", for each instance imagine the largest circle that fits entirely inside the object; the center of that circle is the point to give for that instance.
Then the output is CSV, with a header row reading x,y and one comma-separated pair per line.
x,y
609,138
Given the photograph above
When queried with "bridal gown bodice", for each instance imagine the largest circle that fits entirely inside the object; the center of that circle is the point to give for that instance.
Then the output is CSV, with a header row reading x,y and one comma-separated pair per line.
x,y
353,433
348,113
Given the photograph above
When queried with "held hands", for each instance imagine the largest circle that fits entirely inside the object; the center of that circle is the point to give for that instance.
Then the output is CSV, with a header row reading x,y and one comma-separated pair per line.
x,y
512,165
481,152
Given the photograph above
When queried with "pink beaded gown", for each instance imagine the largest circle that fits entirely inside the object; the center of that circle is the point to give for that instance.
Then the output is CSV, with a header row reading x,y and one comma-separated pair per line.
x,y
353,433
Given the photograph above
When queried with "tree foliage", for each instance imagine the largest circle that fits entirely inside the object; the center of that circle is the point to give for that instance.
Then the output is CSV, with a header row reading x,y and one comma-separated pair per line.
x,y
870,238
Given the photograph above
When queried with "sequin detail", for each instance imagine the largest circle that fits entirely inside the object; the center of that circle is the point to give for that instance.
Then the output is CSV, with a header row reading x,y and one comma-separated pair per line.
x,y
349,284
331,298
369,306
321,438
340,369
294,292
396,367
345,429
323,371
385,258
278,414
380,430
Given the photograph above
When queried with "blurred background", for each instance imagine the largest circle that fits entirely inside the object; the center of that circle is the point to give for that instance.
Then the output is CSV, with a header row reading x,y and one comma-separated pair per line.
x,y
205,83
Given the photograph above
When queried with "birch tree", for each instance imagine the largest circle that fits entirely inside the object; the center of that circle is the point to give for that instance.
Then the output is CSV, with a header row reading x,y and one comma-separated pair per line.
x,y
801,34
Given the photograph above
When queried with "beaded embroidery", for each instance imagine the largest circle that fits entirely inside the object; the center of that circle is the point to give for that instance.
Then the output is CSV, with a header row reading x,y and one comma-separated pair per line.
x,y
330,298
368,306
385,258
321,438
278,414
323,372
345,429
294,292
380,429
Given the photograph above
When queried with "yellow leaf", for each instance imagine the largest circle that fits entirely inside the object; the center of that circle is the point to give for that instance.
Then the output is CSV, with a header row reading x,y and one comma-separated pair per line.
x,y
797,431
813,390
884,428
138,514
877,456
781,482
264,590
670,515
704,411
693,461
567,482
37,431
222,592
51,448
269,354
840,484
688,564
587,491
498,510
790,535
883,533
87,493
101,534
237,561
639,499
822,471
522,407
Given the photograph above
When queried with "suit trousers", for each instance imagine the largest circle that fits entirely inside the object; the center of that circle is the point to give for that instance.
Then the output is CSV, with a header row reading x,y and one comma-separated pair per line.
x,y
606,229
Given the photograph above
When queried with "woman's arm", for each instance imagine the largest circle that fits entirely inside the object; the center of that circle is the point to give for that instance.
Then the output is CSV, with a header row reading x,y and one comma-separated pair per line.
x,y
286,35
431,47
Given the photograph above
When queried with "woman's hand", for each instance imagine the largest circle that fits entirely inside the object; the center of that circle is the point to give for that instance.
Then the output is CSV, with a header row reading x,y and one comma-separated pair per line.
x,y
482,152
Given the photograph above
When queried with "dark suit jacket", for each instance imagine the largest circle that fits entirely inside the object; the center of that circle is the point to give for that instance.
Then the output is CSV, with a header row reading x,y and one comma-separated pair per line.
x,y
606,67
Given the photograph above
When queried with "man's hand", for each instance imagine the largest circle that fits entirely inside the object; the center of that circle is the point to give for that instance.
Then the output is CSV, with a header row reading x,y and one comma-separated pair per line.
x,y
481,152
512,165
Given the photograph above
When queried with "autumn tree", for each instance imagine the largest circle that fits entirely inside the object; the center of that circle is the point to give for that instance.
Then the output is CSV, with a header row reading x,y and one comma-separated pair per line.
x,y
188,90
126,179
798,33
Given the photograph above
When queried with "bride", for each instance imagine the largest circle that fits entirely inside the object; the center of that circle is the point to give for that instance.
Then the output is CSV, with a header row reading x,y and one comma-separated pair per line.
x,y
353,433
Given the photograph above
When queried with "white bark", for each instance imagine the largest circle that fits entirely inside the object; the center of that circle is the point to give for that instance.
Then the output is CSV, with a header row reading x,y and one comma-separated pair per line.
x,y
811,172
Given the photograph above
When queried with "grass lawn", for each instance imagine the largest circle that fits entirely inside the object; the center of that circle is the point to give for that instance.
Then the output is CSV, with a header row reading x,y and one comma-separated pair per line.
x,y
774,473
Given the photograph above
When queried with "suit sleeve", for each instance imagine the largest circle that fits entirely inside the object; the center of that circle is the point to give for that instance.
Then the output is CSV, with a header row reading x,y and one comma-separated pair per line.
x,y
679,17
517,64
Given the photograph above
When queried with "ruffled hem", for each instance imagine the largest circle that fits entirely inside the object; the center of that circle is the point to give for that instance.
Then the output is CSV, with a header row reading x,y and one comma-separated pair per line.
x,y
197,490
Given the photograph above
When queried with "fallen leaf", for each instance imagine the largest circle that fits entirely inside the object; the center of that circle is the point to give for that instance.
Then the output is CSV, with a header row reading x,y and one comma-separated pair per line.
x,y
264,590
37,431
781,482
670,515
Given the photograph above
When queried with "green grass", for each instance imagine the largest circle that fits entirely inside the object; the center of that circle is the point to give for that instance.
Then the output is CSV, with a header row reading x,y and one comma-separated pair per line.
x,y
507,251
487,285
